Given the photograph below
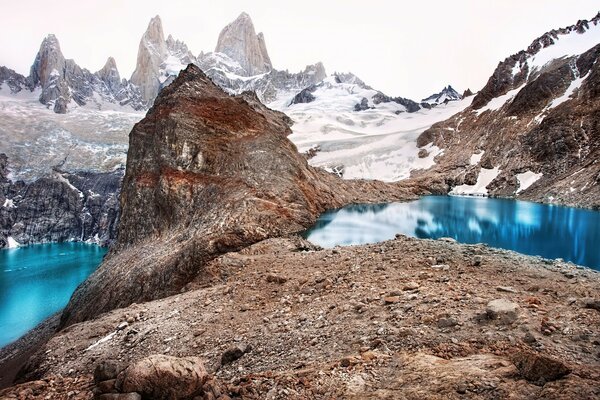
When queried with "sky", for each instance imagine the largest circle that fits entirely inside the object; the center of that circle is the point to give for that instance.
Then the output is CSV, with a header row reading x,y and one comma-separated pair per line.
x,y
409,49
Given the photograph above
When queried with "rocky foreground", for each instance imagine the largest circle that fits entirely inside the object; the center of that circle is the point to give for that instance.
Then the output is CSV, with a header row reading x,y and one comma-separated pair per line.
x,y
406,318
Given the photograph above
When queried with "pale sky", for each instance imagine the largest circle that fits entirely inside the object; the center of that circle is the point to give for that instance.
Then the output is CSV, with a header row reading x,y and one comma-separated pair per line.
x,y
408,49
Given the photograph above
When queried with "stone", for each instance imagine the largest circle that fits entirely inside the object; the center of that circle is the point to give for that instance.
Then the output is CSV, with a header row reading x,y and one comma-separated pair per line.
x,y
119,396
234,353
506,289
391,299
106,386
594,304
276,279
446,322
164,377
538,368
502,311
107,370
477,260
412,285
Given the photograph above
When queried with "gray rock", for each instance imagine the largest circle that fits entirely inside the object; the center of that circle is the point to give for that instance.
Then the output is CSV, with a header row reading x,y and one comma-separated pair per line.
x,y
107,370
233,353
502,311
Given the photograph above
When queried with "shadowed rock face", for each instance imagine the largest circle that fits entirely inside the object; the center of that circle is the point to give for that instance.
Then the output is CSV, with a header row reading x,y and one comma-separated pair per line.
x,y
207,173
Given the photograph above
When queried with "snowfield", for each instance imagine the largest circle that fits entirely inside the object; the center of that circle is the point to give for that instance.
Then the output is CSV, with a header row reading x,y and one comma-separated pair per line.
x,y
377,143
86,138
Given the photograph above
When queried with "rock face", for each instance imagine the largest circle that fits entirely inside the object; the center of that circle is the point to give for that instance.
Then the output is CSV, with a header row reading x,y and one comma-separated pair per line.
x,y
206,173
64,206
239,41
151,53
534,127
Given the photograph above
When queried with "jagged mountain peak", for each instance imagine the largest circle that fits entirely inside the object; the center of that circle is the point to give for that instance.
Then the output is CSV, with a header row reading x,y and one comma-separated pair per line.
x,y
448,93
240,42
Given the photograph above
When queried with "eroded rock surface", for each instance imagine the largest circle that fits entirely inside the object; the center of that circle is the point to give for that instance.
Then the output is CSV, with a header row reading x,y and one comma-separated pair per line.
x,y
207,173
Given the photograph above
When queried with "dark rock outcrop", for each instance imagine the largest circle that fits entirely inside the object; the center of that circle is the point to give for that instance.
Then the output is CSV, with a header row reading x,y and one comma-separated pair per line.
x,y
207,173
63,206
305,95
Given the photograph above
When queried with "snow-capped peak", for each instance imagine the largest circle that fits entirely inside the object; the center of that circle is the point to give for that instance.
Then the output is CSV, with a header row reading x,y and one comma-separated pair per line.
x,y
446,94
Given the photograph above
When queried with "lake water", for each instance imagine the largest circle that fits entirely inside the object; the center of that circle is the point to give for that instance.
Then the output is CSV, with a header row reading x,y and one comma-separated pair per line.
x,y
37,281
529,228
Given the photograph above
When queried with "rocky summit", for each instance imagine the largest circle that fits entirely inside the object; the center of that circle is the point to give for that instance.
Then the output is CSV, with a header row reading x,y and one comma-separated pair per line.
x,y
532,131
239,41
207,173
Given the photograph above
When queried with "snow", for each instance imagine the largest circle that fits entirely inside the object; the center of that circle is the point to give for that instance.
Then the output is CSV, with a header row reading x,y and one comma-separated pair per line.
x,y
486,176
567,45
103,340
8,203
377,143
476,158
527,179
575,84
93,137
497,102
12,243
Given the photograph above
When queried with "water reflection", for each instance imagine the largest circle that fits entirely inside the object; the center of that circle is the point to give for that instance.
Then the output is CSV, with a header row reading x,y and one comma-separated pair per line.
x,y
37,281
529,228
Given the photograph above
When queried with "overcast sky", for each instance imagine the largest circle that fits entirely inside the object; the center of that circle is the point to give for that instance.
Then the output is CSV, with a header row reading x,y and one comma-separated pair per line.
x,y
408,49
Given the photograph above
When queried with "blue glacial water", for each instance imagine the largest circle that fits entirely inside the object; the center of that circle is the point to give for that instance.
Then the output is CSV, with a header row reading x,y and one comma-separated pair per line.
x,y
529,228
37,281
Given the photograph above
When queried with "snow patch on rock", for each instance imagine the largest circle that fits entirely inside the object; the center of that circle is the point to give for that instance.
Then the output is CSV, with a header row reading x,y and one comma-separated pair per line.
x,y
486,176
526,179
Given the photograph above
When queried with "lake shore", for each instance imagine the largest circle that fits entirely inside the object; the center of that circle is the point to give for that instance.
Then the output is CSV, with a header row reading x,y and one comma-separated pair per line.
x,y
357,322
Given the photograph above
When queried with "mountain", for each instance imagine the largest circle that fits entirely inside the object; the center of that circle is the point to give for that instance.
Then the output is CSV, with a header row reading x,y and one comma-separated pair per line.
x,y
217,174
447,94
360,133
239,41
532,131
158,60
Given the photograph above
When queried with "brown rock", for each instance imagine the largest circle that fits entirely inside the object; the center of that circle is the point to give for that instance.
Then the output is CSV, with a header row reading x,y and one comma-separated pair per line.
x,y
539,368
276,279
120,396
164,377
106,371
106,386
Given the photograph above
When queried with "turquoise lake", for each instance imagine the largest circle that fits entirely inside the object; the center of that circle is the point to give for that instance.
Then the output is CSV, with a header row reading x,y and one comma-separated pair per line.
x,y
536,229
37,281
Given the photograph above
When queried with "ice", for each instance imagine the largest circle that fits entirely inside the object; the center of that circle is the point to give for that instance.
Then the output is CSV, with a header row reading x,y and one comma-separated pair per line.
x,y
12,243
377,143
486,176
476,158
497,102
567,45
8,203
526,179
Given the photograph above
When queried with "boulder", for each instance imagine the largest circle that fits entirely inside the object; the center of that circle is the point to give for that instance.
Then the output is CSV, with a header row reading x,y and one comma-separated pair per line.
x,y
164,377
502,311
538,368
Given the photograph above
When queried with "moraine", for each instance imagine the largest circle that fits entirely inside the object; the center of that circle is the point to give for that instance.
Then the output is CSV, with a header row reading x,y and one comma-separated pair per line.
x,y
37,281
535,229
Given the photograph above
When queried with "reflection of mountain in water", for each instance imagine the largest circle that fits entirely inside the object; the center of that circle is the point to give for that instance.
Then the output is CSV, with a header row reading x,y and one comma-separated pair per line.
x,y
536,229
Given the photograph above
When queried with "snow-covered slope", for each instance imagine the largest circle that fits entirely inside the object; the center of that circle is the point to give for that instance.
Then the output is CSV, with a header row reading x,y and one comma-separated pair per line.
x,y
86,138
375,139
